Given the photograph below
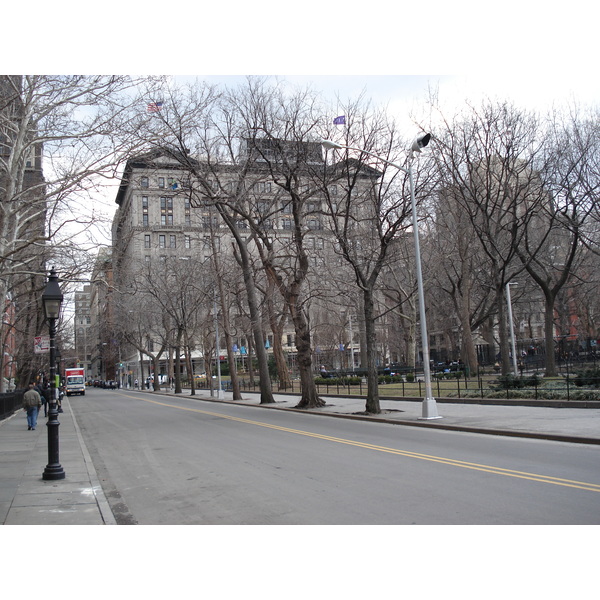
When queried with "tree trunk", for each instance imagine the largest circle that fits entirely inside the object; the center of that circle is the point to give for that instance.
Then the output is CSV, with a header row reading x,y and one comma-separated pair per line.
x,y
178,362
189,368
156,366
502,332
266,391
372,405
468,353
549,333
310,398
235,382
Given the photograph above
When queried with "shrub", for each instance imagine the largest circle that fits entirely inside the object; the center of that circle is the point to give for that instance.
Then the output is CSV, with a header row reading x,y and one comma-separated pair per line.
x,y
510,382
587,378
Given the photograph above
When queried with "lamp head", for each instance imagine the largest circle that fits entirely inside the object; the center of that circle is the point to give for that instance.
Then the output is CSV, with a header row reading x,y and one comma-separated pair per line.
x,y
52,297
329,145
421,141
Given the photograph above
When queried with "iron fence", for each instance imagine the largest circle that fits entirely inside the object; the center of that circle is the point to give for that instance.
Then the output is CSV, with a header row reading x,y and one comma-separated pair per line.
x,y
10,402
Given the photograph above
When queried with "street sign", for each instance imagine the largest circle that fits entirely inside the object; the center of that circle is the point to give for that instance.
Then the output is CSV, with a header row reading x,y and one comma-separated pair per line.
x,y
41,344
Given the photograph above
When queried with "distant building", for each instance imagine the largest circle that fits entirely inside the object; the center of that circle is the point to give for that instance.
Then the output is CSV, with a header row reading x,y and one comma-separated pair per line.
x,y
161,216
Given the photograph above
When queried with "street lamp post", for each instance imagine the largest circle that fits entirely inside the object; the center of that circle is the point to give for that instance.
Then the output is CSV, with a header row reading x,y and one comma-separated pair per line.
x,y
52,300
429,405
512,328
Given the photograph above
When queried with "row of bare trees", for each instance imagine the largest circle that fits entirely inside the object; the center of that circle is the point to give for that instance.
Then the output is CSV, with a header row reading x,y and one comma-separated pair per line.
x,y
62,139
503,195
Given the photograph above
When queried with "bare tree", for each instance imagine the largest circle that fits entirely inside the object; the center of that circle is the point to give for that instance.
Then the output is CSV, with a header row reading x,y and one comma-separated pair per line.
x,y
373,210
554,244
61,137
486,160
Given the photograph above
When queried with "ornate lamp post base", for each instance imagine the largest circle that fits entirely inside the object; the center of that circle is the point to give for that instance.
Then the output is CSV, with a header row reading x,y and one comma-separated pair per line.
x,y
53,469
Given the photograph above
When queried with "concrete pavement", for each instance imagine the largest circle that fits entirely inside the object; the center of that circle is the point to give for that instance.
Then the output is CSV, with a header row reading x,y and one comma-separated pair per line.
x,y
26,499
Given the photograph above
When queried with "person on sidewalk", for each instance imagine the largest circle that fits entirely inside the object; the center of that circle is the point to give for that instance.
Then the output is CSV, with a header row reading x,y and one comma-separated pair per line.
x,y
31,404
39,388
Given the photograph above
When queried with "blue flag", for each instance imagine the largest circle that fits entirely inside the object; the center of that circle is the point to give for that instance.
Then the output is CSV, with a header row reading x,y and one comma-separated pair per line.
x,y
341,120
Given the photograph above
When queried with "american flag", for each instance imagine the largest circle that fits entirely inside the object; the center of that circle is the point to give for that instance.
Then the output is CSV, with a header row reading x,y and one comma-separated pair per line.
x,y
154,107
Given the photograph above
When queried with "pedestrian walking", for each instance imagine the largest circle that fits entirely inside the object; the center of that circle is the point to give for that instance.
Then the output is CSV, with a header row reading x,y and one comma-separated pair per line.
x,y
39,388
32,403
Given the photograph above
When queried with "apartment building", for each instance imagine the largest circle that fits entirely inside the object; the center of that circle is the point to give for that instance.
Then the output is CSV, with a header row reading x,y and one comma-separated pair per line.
x,y
166,211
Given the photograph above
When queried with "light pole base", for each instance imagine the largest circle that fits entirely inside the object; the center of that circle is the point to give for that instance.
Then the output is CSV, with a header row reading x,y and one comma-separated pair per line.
x,y
52,473
429,409
221,395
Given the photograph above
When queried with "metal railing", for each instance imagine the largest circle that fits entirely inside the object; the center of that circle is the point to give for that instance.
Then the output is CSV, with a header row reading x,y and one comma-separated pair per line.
x,y
10,402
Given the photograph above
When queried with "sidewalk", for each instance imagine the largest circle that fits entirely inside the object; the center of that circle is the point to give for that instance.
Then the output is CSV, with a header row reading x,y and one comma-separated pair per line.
x,y
26,499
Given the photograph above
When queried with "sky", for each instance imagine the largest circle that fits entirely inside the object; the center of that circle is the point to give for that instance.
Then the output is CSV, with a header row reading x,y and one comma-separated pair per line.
x,y
403,95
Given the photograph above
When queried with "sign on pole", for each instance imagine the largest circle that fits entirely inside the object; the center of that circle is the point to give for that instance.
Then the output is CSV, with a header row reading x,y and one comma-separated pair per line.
x,y
41,344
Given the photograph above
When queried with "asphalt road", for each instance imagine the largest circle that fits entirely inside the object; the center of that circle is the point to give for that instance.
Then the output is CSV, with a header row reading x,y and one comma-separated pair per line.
x,y
165,460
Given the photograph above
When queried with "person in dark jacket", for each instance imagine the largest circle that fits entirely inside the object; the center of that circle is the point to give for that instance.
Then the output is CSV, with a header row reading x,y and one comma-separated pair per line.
x,y
31,404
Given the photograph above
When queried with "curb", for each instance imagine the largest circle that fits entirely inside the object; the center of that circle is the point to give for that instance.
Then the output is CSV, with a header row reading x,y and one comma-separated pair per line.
x,y
432,425
103,505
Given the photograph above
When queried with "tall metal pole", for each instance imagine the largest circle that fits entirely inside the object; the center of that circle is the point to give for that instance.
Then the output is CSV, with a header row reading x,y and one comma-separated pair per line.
x,y
53,470
429,406
512,329
351,341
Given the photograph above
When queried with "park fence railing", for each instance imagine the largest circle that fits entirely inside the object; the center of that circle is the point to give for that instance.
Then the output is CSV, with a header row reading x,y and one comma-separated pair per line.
x,y
10,402
572,388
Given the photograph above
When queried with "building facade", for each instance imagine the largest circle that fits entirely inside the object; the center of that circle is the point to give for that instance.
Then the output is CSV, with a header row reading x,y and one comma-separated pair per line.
x,y
166,213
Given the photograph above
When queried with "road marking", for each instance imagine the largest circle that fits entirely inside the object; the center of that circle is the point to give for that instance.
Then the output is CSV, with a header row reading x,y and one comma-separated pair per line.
x,y
582,485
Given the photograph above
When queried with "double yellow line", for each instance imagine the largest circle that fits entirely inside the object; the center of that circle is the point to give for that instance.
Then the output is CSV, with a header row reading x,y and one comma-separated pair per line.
x,y
582,485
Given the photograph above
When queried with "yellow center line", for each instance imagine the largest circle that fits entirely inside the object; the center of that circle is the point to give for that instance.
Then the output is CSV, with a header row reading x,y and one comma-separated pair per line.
x,y
592,487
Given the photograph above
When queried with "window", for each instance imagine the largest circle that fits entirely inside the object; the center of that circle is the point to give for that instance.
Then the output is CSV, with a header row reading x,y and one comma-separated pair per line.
x,y
188,241
172,241
166,211
161,182
262,207
210,222
145,210
262,187
146,241
286,223
162,242
187,212
144,182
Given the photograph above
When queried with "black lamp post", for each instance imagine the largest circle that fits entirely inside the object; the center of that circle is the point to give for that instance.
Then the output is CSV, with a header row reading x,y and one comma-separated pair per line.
x,y
52,299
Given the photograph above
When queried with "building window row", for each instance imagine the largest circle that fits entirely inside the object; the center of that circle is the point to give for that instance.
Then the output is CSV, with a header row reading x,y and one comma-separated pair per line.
x,y
161,182
167,241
